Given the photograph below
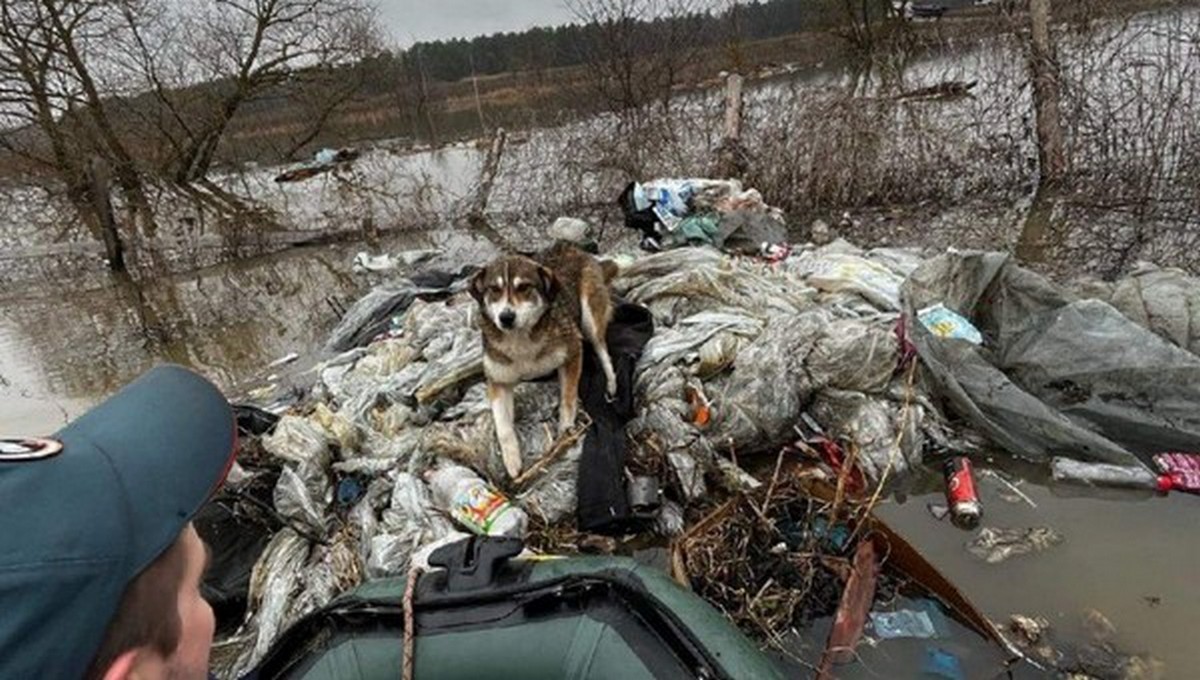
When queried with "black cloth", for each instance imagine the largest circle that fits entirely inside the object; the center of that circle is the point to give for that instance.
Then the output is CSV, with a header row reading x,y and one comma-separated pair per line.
x,y
643,220
603,504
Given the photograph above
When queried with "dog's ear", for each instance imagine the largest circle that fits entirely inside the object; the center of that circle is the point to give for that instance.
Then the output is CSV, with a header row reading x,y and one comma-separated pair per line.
x,y
548,283
478,283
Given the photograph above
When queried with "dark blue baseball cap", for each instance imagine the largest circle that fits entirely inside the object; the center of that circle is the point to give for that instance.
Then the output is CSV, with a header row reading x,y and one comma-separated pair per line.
x,y
84,511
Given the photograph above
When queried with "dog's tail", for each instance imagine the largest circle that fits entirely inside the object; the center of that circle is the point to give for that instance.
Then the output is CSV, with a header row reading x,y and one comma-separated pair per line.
x,y
610,270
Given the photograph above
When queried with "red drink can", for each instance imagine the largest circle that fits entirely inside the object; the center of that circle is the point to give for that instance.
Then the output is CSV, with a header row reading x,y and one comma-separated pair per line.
x,y
965,510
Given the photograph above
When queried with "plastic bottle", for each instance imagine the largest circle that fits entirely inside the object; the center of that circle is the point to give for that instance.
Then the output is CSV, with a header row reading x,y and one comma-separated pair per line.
x,y
472,502
1107,475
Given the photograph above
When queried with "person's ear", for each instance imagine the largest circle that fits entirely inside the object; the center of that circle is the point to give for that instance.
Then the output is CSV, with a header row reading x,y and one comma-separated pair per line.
x,y
548,283
123,666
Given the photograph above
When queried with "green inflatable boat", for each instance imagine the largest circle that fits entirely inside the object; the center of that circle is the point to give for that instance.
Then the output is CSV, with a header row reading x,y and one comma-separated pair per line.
x,y
484,615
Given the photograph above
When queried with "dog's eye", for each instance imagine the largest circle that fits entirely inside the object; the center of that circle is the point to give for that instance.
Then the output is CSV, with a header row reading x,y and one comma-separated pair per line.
x,y
495,290
524,287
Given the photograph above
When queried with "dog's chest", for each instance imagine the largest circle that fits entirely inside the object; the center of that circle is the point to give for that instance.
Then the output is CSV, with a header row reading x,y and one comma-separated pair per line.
x,y
526,361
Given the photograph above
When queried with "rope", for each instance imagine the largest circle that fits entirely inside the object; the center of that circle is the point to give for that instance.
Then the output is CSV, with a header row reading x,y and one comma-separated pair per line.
x,y
414,574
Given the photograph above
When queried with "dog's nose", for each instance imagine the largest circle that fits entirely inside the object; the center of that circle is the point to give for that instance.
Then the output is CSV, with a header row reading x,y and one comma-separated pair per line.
x,y
507,318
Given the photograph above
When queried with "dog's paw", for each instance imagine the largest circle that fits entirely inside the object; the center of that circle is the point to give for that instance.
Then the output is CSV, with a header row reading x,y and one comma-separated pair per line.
x,y
610,393
565,426
512,462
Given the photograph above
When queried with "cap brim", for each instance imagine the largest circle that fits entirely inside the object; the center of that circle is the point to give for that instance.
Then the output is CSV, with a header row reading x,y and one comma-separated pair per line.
x,y
170,438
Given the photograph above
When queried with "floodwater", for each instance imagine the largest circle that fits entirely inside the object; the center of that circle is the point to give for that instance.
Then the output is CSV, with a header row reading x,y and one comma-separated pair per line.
x,y
63,349
1130,557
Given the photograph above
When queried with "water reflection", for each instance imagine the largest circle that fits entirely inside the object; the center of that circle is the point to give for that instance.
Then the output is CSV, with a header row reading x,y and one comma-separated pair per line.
x,y
62,349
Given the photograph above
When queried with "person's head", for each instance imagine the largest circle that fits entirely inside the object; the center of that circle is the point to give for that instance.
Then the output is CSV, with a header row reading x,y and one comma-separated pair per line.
x,y
163,627
100,566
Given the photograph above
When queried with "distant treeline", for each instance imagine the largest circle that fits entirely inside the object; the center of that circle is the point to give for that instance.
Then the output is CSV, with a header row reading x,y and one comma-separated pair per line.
x,y
451,60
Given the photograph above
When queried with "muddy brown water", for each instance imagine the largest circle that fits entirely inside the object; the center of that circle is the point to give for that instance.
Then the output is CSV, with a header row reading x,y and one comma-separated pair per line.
x,y
1131,557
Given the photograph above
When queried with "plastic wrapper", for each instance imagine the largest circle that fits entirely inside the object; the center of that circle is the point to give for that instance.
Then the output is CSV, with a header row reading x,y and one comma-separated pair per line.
x,y
948,324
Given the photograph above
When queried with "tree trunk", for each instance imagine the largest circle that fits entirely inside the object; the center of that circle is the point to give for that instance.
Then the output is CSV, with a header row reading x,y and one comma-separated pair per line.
x,y
99,180
1052,154
477,215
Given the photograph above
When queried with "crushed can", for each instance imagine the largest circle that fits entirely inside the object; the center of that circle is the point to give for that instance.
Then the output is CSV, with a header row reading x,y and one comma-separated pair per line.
x,y
965,509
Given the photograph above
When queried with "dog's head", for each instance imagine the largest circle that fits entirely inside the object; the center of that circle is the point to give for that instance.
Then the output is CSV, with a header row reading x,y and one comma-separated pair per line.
x,y
514,292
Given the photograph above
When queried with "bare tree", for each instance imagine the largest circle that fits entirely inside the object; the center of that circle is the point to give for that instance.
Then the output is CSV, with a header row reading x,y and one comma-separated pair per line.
x,y
241,49
641,50
48,87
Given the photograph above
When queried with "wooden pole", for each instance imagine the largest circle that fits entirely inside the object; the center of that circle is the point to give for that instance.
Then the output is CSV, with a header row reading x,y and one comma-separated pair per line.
x,y
730,160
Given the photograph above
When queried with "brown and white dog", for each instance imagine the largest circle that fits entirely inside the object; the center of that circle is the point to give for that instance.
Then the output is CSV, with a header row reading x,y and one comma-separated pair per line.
x,y
535,315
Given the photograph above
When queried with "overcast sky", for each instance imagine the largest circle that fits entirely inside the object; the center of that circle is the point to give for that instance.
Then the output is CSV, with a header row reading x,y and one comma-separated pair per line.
x,y
410,20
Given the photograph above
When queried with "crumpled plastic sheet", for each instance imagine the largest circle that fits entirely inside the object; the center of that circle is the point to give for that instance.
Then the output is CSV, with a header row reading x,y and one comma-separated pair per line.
x,y
338,427
364,516
329,571
836,273
1056,375
670,521
679,283
711,339
274,584
774,366
409,522
298,440
994,545
901,261
372,314
1164,300
294,500
553,495
883,431
303,488
853,354
759,401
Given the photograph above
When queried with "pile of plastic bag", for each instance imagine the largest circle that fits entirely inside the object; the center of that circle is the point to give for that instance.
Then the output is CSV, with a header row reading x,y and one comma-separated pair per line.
x,y
673,213
743,351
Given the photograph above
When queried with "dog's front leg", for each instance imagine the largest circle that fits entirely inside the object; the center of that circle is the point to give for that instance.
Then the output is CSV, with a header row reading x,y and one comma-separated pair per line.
x,y
568,382
501,398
